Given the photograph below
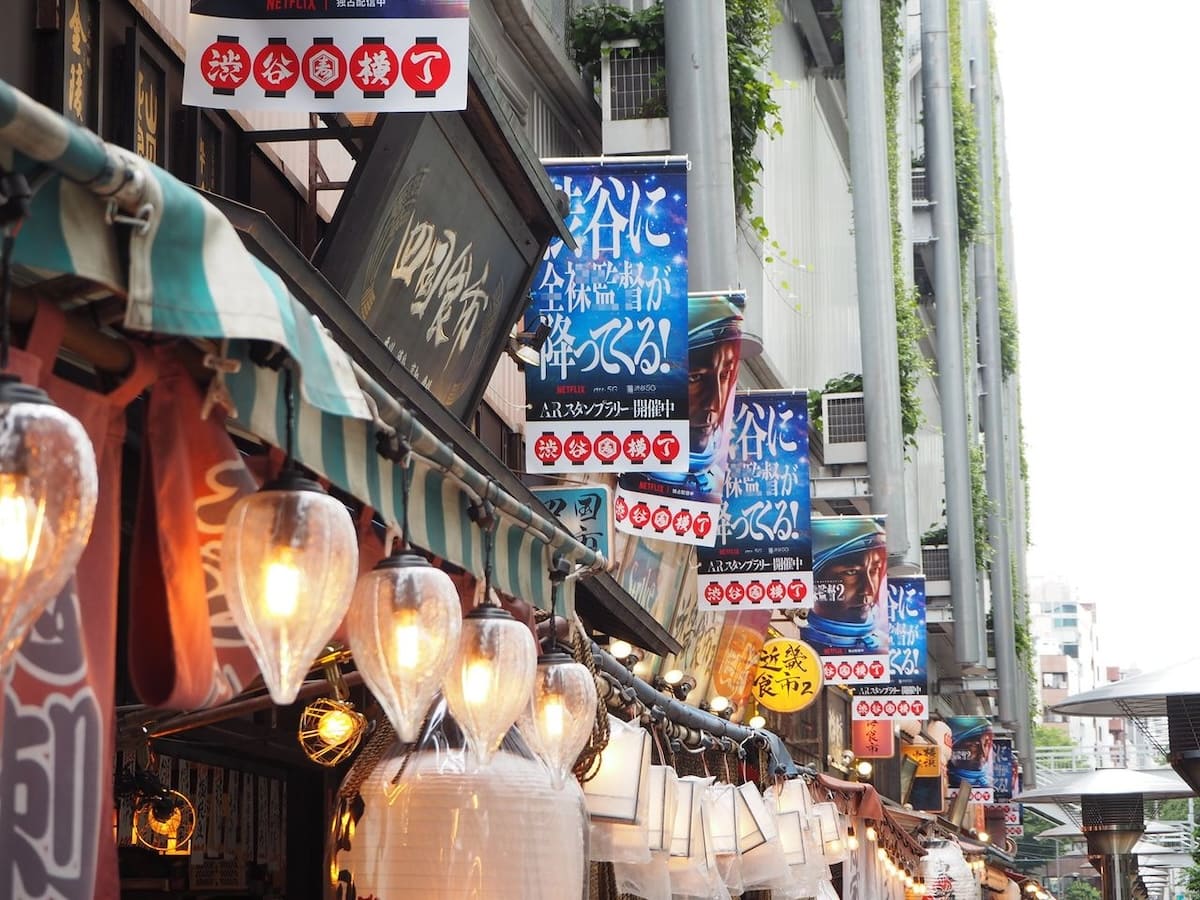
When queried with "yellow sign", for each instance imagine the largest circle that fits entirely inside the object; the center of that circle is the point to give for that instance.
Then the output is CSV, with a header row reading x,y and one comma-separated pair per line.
x,y
926,758
788,676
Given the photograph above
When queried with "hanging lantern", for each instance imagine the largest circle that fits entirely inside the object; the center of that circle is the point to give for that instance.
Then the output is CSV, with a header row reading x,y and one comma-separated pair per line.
x,y
432,825
47,501
562,709
289,558
403,627
664,801
165,823
490,681
618,796
827,824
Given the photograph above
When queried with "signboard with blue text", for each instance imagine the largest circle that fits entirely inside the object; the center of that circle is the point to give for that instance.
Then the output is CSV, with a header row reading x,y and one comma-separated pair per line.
x,y
683,506
848,620
1004,769
328,55
611,391
762,558
584,511
906,695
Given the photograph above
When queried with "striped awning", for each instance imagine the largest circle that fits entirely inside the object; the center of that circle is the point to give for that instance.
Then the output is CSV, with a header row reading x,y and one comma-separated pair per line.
x,y
185,272
344,450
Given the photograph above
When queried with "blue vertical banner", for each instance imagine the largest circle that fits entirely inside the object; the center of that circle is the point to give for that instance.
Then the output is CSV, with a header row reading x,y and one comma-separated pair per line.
x,y
1004,770
762,558
611,391
848,621
682,506
906,695
972,757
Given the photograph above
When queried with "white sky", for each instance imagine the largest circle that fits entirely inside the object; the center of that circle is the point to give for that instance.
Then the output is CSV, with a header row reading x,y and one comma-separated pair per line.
x,y
1102,113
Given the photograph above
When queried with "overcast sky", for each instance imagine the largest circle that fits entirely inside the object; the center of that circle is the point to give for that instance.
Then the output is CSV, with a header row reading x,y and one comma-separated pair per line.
x,y
1102,115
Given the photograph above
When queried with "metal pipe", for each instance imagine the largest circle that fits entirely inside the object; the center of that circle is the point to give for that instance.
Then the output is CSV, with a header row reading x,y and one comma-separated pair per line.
x,y
425,444
696,719
990,359
873,268
940,180
698,73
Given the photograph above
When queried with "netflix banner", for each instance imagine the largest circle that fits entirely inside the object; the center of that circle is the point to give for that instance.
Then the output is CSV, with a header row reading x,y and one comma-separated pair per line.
x,y
683,506
328,55
763,553
848,623
906,696
610,393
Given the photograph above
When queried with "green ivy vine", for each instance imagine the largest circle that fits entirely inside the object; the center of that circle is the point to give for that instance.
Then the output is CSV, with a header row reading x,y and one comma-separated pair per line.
x,y
981,508
848,383
909,330
966,138
752,109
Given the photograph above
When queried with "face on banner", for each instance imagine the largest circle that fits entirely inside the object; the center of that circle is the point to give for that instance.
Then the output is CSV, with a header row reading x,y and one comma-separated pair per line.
x,y
848,622
683,506
972,755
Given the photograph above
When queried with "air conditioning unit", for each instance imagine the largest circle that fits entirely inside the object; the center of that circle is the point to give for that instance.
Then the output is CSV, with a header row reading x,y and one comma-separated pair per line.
x,y
633,99
845,420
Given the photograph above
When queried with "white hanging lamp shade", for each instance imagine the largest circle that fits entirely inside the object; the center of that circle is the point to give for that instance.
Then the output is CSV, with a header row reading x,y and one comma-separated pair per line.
x,y
827,826
47,502
289,558
435,827
558,720
403,627
664,801
618,796
490,680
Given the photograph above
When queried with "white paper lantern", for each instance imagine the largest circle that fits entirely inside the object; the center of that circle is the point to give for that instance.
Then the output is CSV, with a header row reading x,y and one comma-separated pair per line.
x,y
664,799
447,830
827,824
618,796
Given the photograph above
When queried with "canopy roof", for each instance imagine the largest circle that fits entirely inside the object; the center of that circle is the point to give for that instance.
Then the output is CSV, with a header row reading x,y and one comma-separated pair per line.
x,y
1141,696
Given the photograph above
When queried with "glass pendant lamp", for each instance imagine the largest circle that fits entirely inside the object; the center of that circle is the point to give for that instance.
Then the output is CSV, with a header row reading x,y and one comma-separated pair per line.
x,y
403,627
289,557
490,680
48,479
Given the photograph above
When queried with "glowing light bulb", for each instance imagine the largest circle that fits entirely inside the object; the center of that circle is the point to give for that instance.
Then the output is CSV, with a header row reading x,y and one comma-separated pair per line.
x,y
282,585
674,676
336,727
872,834
552,714
756,722
477,683
984,836
408,644
852,842
835,846
620,649
719,704
14,519
881,854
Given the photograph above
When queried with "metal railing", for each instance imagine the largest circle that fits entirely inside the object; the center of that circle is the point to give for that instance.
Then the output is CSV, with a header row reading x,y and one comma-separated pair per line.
x,y
920,190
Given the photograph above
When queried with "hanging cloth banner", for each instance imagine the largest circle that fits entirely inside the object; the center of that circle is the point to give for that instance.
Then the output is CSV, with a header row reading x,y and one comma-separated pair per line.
x,y
848,622
611,391
327,55
906,696
1004,771
763,553
972,757
56,838
684,506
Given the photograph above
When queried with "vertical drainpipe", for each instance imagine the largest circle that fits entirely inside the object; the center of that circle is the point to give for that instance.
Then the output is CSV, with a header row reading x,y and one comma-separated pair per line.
x,y
873,264
993,376
939,167
697,88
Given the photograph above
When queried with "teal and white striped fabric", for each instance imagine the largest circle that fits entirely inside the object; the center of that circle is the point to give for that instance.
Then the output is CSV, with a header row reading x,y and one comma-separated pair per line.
x,y
188,273
343,450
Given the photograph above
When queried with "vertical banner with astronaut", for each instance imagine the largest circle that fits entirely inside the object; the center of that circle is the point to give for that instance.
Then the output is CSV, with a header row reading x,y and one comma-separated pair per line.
x,y
906,695
848,622
972,757
611,391
763,553
683,506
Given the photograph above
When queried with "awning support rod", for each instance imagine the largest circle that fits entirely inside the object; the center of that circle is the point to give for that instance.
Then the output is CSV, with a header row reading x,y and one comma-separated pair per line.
x,y
426,444
46,137
691,717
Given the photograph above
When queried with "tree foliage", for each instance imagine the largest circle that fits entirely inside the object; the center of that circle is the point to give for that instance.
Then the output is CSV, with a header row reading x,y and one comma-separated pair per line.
x,y
1081,890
